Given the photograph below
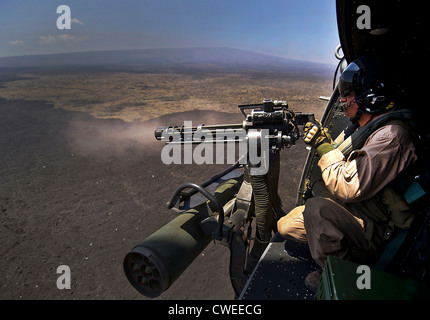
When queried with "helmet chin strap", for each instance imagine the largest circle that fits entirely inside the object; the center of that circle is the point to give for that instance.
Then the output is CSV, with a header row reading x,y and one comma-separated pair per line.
x,y
358,113
357,116
354,125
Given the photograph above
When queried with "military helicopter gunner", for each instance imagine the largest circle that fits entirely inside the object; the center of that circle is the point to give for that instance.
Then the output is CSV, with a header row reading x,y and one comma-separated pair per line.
x,y
351,222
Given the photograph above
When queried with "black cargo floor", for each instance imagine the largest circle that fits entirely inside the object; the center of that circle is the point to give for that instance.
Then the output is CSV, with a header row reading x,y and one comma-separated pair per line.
x,y
280,273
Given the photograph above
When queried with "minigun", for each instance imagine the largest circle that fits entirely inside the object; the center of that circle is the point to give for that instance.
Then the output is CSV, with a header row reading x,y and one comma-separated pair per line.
x,y
242,211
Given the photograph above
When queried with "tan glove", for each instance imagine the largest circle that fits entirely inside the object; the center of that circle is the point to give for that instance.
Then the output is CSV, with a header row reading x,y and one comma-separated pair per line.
x,y
315,134
318,137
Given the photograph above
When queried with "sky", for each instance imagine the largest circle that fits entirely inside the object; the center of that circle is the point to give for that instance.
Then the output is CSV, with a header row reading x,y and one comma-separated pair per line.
x,y
299,29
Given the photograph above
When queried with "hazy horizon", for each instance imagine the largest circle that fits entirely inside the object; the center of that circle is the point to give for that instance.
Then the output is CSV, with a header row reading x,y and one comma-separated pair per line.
x,y
173,48
221,56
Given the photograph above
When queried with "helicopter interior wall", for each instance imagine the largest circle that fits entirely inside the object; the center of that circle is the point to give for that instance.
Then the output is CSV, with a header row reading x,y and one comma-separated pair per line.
x,y
398,33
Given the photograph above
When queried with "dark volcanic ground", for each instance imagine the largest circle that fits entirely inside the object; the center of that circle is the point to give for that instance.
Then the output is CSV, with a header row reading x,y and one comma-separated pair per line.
x,y
80,191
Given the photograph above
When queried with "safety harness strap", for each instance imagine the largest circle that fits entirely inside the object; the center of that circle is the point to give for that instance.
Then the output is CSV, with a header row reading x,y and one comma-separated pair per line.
x,y
357,139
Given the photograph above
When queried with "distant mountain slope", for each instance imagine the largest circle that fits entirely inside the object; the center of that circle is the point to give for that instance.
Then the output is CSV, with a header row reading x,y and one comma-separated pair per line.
x,y
200,58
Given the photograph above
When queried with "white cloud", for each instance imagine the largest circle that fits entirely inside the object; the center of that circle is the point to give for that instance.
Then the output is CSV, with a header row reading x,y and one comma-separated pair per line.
x,y
74,20
16,43
64,38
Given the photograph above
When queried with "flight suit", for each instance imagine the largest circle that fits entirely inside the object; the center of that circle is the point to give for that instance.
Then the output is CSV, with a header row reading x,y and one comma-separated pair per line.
x,y
350,222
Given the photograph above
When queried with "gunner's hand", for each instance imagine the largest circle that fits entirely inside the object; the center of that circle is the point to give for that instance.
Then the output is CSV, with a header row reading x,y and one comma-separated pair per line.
x,y
316,134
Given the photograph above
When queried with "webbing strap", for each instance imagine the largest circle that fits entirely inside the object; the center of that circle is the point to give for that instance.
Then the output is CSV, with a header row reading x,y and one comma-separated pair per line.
x,y
357,139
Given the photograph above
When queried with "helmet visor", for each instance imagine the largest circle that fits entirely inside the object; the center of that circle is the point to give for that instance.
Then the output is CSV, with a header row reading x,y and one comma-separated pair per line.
x,y
347,79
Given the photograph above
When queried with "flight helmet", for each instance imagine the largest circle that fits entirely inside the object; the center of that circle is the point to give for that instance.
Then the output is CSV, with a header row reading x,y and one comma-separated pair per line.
x,y
365,77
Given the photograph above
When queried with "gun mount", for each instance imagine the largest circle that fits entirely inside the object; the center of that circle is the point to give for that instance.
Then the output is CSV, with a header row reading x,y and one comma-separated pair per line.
x,y
228,214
